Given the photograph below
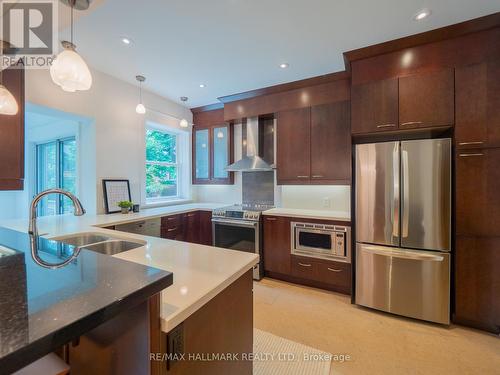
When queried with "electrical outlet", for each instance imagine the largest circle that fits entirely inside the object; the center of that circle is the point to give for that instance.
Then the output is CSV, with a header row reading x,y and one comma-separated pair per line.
x,y
326,202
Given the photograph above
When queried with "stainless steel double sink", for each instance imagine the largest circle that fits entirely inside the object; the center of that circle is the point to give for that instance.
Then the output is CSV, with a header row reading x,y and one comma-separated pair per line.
x,y
101,243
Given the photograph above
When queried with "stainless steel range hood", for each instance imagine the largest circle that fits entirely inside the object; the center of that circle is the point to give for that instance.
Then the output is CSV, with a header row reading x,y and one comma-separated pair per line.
x,y
256,132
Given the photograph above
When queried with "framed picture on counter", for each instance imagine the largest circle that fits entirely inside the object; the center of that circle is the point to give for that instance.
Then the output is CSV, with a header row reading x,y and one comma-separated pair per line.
x,y
115,191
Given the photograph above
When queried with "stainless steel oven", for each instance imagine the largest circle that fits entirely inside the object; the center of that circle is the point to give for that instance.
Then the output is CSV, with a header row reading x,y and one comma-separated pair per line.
x,y
240,235
321,241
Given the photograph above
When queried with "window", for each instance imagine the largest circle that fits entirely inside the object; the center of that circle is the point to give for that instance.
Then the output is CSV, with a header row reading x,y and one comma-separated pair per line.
x,y
162,166
56,168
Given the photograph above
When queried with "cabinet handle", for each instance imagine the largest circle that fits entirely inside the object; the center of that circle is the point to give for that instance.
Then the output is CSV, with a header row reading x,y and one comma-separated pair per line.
x,y
386,126
171,218
334,270
270,218
171,229
302,176
318,176
191,215
411,123
304,265
470,143
468,155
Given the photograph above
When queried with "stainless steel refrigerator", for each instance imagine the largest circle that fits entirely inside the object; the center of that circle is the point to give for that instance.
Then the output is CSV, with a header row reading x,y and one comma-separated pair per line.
x,y
403,228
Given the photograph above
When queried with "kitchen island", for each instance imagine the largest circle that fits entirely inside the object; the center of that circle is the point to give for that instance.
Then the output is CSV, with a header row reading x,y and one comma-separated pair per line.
x,y
207,309
43,309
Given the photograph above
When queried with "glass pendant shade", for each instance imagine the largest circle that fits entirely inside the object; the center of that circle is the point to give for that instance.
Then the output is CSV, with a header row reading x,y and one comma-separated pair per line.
x,y
8,104
140,109
184,123
71,72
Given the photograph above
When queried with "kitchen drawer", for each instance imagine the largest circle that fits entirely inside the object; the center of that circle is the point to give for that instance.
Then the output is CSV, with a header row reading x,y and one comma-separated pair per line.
x,y
335,273
323,271
173,233
171,221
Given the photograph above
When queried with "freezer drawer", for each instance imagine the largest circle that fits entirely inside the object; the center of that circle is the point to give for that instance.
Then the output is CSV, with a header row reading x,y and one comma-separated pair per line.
x,y
411,283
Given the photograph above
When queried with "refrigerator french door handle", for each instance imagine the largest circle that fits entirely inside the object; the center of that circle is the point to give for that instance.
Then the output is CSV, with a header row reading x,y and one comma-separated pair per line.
x,y
403,254
405,209
395,209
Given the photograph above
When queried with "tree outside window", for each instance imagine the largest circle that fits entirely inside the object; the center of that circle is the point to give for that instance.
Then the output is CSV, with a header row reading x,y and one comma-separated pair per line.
x,y
161,165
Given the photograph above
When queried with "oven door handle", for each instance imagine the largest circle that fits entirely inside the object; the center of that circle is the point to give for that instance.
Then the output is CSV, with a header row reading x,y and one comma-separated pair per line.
x,y
248,224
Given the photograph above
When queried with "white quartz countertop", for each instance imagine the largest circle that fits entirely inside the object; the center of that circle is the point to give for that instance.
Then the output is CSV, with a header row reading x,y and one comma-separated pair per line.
x,y
309,214
200,272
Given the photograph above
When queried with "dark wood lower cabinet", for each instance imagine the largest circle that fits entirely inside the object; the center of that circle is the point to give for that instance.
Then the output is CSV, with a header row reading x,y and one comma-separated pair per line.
x,y
277,244
172,227
194,227
477,282
322,273
191,223
315,272
205,228
224,325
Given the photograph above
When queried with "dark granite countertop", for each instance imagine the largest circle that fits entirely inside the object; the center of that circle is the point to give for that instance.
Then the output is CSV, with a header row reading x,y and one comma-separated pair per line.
x,y
42,309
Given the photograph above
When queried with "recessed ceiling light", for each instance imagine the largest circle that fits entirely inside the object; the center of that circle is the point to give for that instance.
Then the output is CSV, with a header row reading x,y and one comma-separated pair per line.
x,y
424,13
202,85
126,40
284,65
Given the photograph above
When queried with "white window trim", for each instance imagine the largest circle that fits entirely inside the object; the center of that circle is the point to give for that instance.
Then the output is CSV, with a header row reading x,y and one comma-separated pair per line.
x,y
182,164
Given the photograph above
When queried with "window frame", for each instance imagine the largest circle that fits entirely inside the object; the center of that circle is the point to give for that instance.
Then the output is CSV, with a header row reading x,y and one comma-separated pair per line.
x,y
59,171
178,165
211,180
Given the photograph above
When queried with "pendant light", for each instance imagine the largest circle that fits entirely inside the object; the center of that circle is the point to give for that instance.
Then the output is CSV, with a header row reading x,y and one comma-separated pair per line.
x,y
8,104
184,123
69,70
140,109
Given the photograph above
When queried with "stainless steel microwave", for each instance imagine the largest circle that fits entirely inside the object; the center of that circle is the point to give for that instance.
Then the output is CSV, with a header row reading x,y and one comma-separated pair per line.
x,y
321,241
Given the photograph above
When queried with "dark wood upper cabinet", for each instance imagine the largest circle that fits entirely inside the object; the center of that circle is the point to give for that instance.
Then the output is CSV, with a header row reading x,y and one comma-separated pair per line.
x,y
277,245
314,145
375,106
331,143
427,100
478,105
12,134
212,152
213,148
294,145
422,100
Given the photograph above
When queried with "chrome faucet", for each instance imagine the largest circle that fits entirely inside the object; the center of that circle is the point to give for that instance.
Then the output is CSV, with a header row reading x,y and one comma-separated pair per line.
x,y
33,230
79,210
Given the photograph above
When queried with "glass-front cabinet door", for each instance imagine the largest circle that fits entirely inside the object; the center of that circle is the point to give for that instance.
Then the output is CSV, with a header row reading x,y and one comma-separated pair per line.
x,y
212,154
221,152
201,161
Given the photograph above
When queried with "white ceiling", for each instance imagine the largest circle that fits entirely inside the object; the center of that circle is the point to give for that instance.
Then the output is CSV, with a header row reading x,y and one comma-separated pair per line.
x,y
237,45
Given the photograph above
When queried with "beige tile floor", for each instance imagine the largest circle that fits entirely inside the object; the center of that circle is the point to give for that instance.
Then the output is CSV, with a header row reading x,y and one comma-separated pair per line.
x,y
378,343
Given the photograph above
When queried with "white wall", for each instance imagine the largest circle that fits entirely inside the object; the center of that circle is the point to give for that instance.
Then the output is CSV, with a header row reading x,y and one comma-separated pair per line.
x,y
318,197
119,131
44,125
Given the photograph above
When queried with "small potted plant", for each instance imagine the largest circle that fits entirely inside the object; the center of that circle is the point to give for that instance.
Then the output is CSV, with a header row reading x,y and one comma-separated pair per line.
x,y
125,206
